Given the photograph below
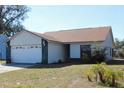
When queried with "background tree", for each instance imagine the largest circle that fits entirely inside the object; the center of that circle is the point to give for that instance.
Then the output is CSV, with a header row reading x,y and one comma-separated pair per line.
x,y
11,18
119,46
117,43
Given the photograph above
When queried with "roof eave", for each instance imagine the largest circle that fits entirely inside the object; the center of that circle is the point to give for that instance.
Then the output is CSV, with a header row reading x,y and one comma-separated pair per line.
x,y
84,42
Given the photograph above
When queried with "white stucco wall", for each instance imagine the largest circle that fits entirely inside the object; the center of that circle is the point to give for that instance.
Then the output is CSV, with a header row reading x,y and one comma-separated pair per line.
x,y
74,50
55,52
31,51
108,43
25,38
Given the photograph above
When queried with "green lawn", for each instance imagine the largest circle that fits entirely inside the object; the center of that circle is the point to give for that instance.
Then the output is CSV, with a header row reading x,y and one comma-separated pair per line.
x,y
51,76
2,62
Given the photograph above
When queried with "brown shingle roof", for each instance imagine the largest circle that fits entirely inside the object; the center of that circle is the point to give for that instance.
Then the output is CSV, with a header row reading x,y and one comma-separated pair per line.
x,y
79,35
45,36
75,35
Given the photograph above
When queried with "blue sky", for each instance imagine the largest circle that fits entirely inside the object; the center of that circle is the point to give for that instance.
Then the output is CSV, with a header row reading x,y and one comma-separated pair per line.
x,y
53,18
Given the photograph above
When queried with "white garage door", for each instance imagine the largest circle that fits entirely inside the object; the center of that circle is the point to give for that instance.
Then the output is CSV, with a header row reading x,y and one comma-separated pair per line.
x,y
26,54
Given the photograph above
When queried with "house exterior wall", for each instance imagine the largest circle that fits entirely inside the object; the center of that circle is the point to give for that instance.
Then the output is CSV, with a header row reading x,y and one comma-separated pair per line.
x,y
25,38
3,46
34,55
108,43
55,52
75,48
26,48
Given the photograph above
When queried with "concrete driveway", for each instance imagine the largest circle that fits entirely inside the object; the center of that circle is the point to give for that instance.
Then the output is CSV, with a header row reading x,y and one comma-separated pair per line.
x,y
13,66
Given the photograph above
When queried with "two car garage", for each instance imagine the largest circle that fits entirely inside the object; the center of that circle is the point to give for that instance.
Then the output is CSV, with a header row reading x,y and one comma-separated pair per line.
x,y
28,47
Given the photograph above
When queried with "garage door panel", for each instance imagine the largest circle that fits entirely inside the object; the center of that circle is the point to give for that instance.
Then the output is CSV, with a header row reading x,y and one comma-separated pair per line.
x,y
26,55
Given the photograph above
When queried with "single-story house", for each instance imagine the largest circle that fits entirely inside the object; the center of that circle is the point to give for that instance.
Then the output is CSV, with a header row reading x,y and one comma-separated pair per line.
x,y
3,47
50,47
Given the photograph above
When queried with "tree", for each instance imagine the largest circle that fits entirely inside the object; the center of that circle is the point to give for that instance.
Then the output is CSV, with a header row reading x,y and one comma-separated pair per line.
x,y
119,46
117,43
11,18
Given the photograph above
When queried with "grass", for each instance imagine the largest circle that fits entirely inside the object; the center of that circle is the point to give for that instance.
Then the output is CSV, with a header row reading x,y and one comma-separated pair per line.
x,y
57,75
2,62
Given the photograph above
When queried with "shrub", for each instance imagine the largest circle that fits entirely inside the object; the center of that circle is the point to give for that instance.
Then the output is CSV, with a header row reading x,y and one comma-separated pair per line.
x,y
119,53
90,75
85,58
2,62
103,74
59,61
98,55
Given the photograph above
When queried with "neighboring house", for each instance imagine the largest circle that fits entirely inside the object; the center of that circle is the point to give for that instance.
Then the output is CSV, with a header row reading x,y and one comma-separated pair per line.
x,y
3,46
50,47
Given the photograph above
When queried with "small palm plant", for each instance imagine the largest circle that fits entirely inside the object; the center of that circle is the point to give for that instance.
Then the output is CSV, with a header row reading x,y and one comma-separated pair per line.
x,y
103,74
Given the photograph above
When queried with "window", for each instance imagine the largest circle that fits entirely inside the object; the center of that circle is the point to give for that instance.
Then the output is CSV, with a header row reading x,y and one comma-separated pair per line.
x,y
20,47
36,46
32,46
17,47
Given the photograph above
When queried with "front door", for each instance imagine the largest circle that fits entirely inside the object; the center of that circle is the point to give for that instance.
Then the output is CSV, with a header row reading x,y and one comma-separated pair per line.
x,y
85,53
